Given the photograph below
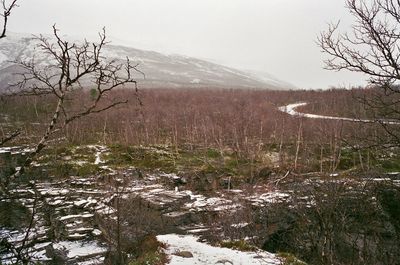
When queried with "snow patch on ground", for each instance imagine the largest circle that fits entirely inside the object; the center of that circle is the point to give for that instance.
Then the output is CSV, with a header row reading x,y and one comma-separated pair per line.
x,y
200,203
100,149
205,254
80,248
14,150
269,198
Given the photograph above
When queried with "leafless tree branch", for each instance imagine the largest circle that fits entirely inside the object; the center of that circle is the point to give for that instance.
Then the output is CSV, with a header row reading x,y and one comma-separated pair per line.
x,y
71,65
372,48
10,137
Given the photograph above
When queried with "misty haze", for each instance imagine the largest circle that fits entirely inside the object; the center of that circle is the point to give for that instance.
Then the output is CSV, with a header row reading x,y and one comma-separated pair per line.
x,y
177,132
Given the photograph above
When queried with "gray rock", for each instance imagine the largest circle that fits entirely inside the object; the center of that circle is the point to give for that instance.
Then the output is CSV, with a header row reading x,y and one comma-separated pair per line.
x,y
184,254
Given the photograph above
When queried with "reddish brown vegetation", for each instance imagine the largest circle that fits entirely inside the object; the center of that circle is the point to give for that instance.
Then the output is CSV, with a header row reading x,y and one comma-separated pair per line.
x,y
246,122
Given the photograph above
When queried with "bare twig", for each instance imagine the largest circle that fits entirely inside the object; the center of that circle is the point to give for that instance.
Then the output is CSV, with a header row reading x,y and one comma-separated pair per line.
x,y
10,137
284,177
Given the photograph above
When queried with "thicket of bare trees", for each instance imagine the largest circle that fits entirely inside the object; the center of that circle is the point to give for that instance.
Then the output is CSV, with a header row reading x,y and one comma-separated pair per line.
x,y
246,123
339,222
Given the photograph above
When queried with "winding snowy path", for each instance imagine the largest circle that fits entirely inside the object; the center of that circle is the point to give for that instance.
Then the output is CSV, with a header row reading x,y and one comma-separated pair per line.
x,y
291,110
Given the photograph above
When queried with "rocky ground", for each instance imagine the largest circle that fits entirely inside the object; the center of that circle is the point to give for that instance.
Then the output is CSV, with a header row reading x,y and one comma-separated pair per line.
x,y
67,213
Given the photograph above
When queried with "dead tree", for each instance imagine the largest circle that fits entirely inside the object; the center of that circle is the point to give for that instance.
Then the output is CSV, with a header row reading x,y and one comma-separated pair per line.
x,y
371,48
72,65
7,8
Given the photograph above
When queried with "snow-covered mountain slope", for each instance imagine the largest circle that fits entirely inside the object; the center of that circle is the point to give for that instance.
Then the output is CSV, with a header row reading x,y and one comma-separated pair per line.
x,y
270,79
160,70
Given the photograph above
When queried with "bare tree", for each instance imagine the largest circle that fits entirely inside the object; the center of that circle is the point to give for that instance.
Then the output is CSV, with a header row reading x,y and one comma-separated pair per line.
x,y
372,48
7,8
372,45
71,65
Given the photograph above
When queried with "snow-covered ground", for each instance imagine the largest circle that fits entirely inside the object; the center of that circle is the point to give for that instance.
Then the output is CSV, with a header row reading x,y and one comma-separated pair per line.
x,y
76,200
291,110
204,254
13,150
76,249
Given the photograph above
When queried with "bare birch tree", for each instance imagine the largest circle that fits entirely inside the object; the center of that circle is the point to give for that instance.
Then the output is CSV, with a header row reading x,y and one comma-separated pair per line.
x,y
73,69
371,47
72,65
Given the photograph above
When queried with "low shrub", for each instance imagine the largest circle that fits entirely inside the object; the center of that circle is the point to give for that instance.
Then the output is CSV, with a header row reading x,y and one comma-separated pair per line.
x,y
241,245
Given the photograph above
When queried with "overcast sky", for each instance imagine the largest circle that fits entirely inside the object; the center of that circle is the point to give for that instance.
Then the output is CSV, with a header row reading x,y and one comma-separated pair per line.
x,y
274,36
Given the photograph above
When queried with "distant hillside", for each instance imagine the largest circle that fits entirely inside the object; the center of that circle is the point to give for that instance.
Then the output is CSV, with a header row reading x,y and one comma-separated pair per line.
x,y
160,70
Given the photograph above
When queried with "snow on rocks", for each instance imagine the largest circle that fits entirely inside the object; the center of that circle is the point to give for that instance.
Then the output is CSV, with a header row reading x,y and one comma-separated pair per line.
x,y
96,232
76,236
76,249
201,203
80,203
205,254
54,191
269,197
240,225
76,200
76,216
233,201
36,250
15,150
99,149
82,182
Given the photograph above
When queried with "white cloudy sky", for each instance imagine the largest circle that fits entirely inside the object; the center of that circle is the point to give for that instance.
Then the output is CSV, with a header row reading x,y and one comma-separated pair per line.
x,y
275,36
